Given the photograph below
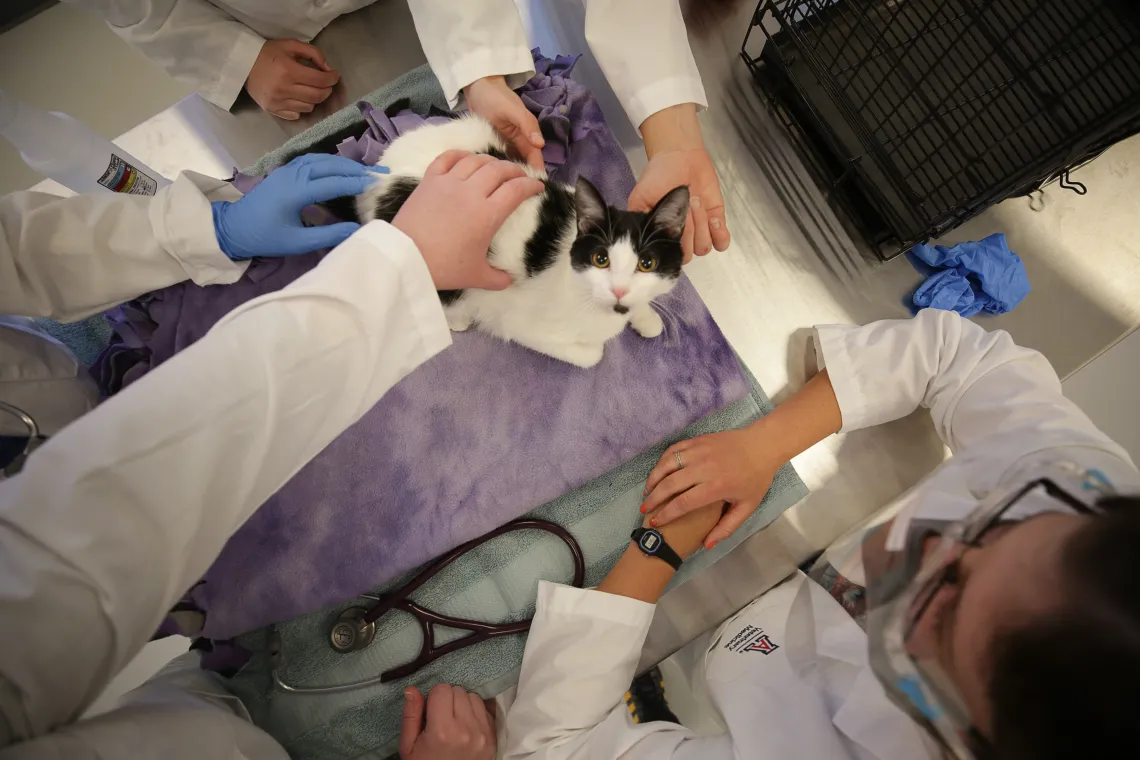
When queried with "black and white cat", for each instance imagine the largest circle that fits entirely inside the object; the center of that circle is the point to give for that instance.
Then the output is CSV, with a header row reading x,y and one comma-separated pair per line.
x,y
582,269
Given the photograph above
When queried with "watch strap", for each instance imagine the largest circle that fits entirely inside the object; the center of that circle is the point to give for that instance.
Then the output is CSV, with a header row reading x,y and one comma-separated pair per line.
x,y
653,544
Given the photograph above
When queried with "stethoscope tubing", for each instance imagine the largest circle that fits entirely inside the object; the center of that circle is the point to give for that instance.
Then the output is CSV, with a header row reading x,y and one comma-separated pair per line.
x,y
480,631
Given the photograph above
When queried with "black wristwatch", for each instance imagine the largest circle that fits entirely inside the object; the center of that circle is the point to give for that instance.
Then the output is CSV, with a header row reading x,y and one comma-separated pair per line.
x,y
653,544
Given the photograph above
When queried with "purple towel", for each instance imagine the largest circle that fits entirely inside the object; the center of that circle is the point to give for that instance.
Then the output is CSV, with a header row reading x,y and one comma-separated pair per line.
x,y
484,432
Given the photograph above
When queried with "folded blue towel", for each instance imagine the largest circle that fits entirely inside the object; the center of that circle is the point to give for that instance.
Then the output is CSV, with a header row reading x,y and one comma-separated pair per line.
x,y
969,277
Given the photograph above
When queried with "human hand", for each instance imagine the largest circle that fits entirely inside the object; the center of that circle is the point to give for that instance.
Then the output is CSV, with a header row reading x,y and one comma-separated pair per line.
x,y
267,221
677,156
734,467
490,98
458,727
456,210
285,87
687,533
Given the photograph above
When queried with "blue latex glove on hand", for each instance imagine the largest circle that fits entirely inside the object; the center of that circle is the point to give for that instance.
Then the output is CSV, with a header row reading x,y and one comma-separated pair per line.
x,y
267,221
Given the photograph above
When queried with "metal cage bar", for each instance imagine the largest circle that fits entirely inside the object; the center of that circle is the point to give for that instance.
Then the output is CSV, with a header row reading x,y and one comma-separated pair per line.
x,y
932,110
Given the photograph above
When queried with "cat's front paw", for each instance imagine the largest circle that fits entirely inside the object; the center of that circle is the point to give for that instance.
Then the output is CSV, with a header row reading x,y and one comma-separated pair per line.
x,y
647,322
584,355
458,322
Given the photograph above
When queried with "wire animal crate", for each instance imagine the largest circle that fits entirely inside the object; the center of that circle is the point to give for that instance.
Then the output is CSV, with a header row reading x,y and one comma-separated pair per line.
x,y
918,114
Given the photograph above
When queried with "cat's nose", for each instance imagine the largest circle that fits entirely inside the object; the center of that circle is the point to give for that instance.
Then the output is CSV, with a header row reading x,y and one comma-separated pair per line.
x,y
619,292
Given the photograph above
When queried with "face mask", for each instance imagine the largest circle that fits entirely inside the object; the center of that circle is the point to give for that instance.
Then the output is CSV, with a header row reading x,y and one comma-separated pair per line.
x,y
905,565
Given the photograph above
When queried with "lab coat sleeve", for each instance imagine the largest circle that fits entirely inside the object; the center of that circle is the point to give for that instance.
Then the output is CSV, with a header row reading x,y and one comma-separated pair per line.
x,y
193,40
112,520
581,655
470,40
68,258
980,387
643,49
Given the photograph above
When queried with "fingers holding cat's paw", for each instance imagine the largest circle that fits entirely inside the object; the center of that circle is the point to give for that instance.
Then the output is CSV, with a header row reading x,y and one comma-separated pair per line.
x,y
647,323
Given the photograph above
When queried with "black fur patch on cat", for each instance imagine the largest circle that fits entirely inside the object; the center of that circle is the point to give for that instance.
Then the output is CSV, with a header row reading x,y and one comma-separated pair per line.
x,y
542,248
448,297
657,233
343,208
396,193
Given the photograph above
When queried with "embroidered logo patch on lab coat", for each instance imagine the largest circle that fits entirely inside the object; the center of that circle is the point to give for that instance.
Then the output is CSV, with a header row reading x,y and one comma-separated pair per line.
x,y
751,639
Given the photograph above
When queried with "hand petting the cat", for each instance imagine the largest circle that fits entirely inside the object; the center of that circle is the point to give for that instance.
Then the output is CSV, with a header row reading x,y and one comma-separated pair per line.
x,y
677,156
491,98
285,87
458,207
266,221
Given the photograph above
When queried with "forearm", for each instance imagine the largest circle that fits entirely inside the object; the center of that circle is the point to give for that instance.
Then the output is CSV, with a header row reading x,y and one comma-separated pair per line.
x,y
975,383
672,128
641,577
467,41
811,414
52,265
193,40
643,49
638,576
152,483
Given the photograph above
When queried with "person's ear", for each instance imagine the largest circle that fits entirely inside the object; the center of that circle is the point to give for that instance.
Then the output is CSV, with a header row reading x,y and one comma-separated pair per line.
x,y
671,211
589,206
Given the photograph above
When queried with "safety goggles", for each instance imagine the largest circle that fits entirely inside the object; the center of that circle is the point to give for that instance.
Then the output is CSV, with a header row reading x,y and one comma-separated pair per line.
x,y
19,437
904,632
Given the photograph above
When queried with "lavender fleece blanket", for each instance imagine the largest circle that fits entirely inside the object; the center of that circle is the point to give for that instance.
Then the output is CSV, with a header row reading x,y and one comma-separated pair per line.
x,y
484,432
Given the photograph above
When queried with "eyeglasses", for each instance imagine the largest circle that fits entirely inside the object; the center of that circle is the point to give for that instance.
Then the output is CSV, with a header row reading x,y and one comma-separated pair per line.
x,y
19,437
915,631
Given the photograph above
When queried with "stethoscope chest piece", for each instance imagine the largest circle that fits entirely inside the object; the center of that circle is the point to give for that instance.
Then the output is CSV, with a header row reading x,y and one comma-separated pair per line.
x,y
349,634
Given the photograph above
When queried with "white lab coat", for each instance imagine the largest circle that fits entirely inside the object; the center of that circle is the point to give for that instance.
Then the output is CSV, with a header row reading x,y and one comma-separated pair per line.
x,y
211,45
68,258
118,514
1000,410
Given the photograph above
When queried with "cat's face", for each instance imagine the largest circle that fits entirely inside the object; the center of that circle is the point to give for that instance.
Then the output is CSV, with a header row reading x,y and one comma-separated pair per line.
x,y
628,258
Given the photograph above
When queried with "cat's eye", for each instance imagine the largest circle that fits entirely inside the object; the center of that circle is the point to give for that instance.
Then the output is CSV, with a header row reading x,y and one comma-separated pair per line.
x,y
647,264
600,259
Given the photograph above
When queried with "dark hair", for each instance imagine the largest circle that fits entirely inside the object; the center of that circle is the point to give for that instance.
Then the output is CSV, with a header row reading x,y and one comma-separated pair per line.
x,y
1067,685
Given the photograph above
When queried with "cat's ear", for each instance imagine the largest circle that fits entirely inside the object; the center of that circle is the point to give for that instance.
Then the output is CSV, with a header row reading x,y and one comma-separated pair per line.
x,y
671,211
589,206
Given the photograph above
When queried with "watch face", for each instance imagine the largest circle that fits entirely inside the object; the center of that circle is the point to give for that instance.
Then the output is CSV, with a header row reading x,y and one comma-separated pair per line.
x,y
650,542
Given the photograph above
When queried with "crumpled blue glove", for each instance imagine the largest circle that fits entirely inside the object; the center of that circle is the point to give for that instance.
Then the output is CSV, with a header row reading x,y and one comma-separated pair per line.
x,y
267,221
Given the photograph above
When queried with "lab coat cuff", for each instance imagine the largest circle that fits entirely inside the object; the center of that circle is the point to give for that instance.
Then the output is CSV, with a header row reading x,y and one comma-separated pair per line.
x,y
833,354
183,224
235,70
664,94
416,284
514,63
557,600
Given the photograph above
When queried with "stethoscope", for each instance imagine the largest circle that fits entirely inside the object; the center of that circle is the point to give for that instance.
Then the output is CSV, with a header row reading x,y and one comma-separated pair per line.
x,y
17,448
355,627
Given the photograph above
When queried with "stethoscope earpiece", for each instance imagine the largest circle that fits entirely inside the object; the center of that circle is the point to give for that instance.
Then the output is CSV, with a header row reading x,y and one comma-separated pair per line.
x,y
349,633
